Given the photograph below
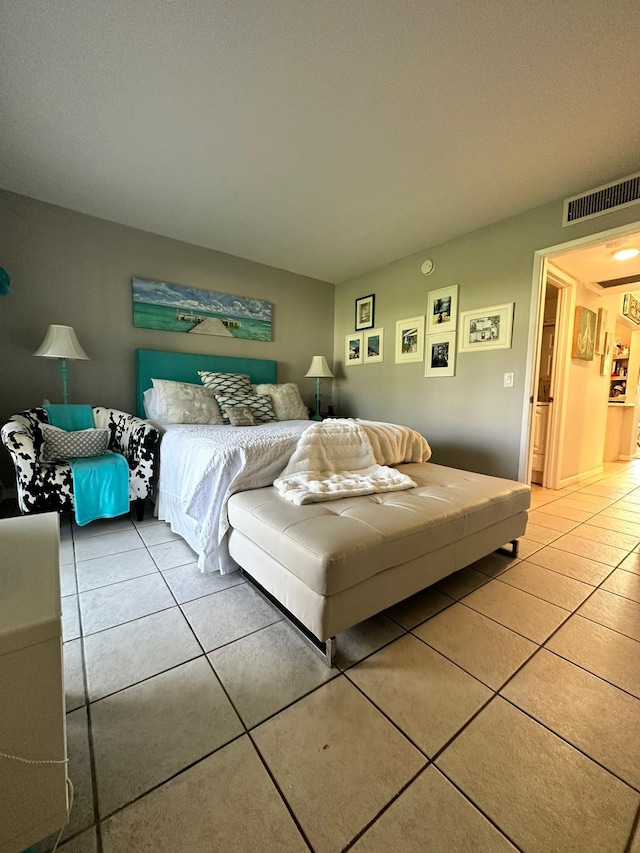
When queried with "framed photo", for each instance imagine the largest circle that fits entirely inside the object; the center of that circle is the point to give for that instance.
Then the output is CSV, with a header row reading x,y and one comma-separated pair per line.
x,y
631,307
605,358
410,339
441,355
372,347
584,333
353,349
364,312
600,330
442,310
486,328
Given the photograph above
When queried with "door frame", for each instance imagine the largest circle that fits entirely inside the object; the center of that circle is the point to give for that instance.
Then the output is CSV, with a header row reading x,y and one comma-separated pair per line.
x,y
541,261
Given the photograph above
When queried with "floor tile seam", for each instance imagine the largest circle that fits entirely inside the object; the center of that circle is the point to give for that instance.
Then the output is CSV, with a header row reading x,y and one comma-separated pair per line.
x,y
235,639
91,701
589,672
386,644
571,577
522,589
167,568
385,808
478,808
205,594
141,547
509,628
126,621
89,536
615,592
94,776
113,583
407,736
602,625
280,792
635,828
473,675
537,597
613,565
404,627
533,718
170,778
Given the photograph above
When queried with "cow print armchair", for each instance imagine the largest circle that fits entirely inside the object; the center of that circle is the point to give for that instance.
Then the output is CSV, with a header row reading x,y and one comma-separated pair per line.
x,y
45,486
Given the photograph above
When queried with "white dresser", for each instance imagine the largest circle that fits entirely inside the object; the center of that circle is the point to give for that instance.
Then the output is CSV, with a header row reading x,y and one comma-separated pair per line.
x,y
33,796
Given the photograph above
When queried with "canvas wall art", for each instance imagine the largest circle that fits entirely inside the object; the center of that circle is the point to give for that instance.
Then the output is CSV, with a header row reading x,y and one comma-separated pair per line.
x,y
176,308
584,333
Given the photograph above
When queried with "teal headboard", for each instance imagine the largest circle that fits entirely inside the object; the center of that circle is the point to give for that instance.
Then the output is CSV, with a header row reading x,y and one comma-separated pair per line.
x,y
184,367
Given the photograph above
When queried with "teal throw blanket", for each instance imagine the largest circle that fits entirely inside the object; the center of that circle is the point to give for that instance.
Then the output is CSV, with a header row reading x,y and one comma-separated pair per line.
x,y
70,418
100,486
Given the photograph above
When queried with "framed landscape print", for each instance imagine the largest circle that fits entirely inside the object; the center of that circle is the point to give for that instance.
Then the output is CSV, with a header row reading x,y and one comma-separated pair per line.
x,y
353,349
372,347
364,312
442,310
584,333
441,355
486,328
410,339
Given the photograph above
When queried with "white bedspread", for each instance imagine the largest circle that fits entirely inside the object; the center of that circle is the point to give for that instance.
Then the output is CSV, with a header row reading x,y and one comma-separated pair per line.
x,y
202,466
340,458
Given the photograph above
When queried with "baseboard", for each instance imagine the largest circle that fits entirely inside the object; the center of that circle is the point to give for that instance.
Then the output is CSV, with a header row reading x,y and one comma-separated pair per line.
x,y
579,478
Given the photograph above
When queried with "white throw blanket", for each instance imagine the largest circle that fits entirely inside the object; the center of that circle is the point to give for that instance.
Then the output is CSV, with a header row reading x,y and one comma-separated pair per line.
x,y
339,458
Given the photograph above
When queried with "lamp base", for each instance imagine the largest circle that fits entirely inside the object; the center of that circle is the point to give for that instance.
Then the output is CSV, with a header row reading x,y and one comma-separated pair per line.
x,y
317,417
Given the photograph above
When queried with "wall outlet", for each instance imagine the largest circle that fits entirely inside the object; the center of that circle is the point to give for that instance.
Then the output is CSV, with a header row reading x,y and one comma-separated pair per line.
x,y
508,380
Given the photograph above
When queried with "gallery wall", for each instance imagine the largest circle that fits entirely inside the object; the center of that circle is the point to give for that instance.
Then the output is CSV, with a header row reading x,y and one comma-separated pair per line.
x,y
471,420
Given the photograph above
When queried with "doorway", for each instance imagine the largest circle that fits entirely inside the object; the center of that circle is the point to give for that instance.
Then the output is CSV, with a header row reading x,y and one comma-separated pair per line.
x,y
552,399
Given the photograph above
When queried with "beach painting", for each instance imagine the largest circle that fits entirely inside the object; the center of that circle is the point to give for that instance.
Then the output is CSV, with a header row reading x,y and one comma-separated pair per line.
x,y
176,308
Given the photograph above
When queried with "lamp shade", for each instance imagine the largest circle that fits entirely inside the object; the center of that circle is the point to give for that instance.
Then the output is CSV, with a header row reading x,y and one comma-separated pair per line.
x,y
61,342
319,367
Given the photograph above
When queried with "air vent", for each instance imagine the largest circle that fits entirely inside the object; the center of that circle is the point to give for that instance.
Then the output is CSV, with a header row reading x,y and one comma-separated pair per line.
x,y
630,281
602,200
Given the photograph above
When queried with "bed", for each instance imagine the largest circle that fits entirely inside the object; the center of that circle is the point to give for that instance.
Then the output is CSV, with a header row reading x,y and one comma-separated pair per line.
x,y
201,466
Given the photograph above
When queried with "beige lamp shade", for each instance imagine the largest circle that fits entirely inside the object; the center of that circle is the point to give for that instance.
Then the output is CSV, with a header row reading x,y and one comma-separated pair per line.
x,y
61,342
319,367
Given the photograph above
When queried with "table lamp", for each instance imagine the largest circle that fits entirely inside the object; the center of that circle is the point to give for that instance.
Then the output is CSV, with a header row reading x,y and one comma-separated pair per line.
x,y
319,369
61,342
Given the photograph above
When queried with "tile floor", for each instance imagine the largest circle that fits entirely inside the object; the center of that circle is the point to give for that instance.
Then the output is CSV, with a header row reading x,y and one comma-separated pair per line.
x,y
497,711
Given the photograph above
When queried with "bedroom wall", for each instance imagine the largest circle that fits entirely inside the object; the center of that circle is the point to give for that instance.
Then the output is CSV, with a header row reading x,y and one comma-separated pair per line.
x,y
470,419
76,270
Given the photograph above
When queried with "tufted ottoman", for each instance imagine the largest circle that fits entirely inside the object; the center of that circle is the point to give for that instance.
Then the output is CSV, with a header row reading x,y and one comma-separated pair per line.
x,y
333,564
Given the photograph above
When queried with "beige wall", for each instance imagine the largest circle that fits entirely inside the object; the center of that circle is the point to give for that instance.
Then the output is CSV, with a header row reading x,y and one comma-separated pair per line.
x,y
470,420
76,270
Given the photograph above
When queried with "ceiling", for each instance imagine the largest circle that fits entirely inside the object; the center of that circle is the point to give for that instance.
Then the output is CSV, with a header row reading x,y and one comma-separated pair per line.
x,y
596,264
327,138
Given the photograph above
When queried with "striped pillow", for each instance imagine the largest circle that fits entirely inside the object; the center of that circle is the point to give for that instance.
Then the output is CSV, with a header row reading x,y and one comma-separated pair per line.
x,y
227,384
260,405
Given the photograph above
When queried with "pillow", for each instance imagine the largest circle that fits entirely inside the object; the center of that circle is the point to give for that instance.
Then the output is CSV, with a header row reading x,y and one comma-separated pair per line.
x,y
184,403
286,399
60,445
239,415
260,405
228,384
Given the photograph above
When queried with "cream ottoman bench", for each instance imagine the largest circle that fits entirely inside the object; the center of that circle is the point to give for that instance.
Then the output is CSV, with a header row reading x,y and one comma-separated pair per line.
x,y
331,565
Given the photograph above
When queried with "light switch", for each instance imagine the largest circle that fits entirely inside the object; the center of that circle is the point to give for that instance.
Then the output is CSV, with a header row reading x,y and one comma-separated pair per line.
x,y
508,380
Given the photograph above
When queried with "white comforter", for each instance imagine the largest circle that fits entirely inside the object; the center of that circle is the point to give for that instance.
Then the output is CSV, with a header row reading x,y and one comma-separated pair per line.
x,y
344,458
202,466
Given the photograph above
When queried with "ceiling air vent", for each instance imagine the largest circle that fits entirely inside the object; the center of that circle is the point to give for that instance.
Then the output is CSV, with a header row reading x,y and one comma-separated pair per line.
x,y
602,200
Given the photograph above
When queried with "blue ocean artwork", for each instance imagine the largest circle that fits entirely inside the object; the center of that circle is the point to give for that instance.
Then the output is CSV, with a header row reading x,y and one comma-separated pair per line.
x,y
175,308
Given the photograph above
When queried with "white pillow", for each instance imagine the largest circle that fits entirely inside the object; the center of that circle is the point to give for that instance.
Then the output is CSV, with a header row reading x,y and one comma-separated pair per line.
x,y
60,444
183,403
287,402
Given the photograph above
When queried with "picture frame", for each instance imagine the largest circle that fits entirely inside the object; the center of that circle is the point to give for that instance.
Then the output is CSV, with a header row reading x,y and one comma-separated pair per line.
x,y
486,328
410,339
631,308
442,310
440,356
600,330
365,310
373,346
605,358
353,349
584,333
